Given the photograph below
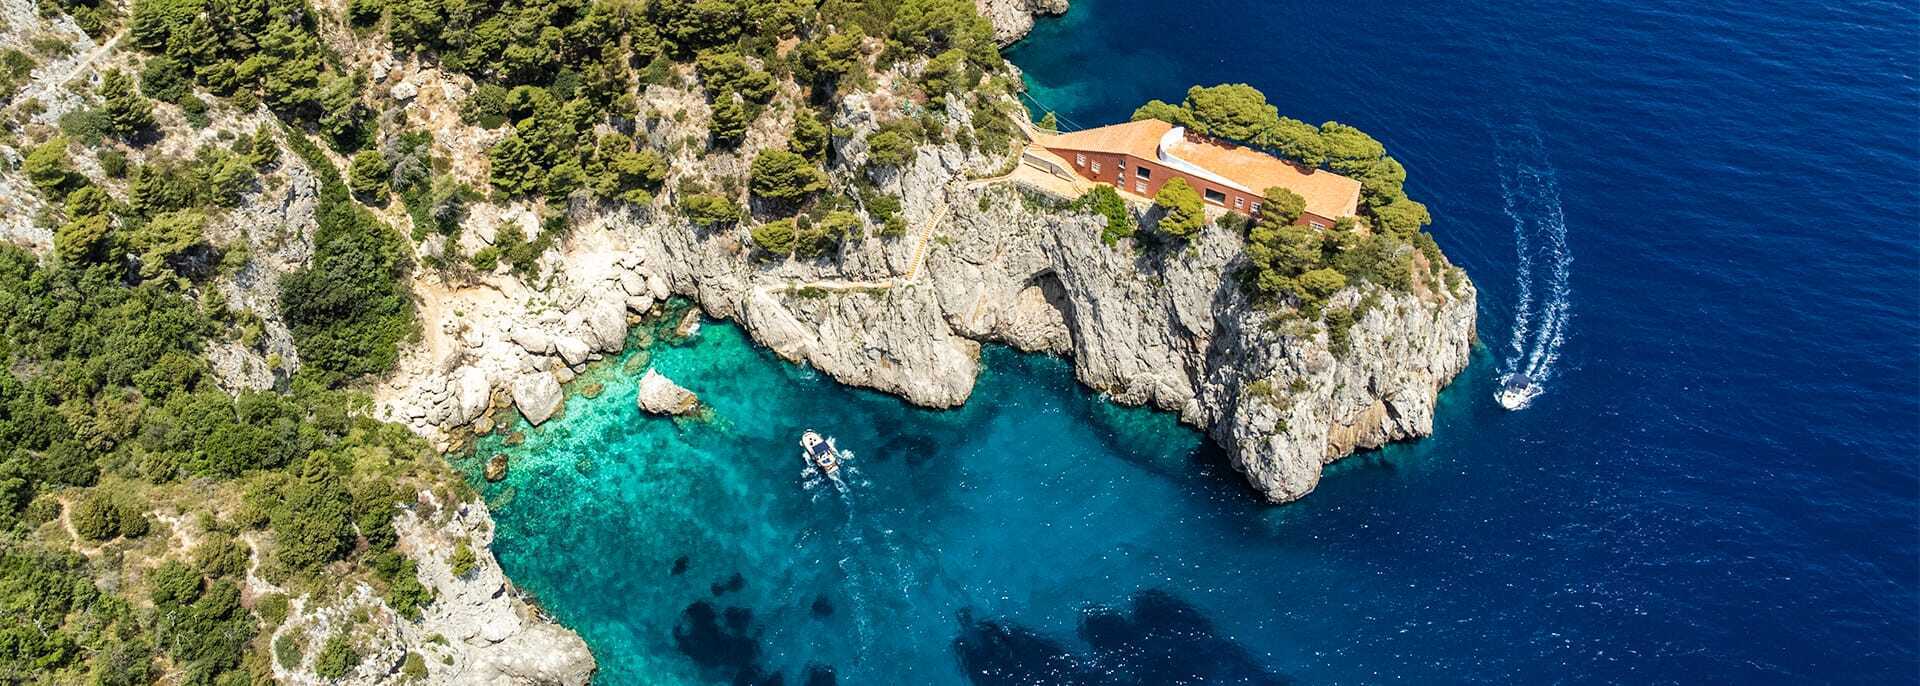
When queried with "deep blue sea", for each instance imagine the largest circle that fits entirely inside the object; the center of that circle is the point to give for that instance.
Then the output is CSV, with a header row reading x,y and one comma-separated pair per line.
x,y
1695,222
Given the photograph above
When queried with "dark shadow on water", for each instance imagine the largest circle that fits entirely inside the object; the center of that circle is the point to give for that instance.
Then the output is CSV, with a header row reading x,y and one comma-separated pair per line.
x,y
1159,639
715,639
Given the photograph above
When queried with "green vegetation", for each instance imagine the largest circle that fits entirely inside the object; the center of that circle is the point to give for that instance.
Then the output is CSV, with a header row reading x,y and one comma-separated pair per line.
x,y
785,177
109,409
775,238
349,309
337,657
463,561
1106,202
1182,215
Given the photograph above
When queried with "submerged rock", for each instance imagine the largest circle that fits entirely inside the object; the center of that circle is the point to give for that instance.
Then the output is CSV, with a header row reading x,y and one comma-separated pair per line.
x,y
538,396
660,395
497,467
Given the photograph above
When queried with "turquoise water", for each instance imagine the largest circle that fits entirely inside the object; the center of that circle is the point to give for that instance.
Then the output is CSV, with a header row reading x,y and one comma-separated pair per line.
x,y
694,550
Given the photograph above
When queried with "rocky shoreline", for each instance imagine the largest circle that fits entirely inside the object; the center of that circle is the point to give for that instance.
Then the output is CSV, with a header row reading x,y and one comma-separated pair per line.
x,y
1005,264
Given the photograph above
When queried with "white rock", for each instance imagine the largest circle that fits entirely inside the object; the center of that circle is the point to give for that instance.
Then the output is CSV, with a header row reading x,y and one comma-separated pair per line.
x,y
657,287
532,339
475,393
633,283
573,350
660,395
538,396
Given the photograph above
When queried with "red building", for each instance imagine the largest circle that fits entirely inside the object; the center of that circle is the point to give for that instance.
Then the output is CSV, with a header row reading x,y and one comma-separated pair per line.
x,y
1139,157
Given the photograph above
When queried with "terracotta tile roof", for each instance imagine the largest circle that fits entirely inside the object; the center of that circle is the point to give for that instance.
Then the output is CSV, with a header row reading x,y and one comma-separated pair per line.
x,y
1328,194
1137,138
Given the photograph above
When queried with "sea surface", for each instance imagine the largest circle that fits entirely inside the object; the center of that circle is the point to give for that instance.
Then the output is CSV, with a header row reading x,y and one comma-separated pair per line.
x,y
1693,223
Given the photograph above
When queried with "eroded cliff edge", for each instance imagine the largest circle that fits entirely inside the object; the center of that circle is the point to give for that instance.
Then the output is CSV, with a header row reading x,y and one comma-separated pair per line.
x,y
1004,263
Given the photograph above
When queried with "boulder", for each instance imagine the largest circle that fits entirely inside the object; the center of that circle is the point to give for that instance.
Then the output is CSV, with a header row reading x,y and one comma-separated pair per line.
x,y
573,350
474,392
657,287
531,339
605,321
660,395
538,396
497,467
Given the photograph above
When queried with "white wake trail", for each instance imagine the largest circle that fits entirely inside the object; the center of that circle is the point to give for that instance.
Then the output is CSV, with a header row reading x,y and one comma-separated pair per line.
x,y
1530,190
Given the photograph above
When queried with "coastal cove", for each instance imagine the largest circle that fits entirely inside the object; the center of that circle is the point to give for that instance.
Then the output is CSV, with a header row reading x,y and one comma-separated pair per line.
x,y
1717,484
695,549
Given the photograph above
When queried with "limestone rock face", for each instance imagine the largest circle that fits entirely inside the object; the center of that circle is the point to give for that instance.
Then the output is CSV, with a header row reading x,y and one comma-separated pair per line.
x,y
1012,19
660,395
1002,263
538,396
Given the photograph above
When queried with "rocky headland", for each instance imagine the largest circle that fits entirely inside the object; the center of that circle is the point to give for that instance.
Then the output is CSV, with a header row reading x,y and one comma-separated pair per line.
x,y
1004,263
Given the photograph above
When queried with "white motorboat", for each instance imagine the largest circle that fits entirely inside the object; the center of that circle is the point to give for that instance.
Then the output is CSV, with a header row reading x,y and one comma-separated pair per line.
x,y
1516,391
820,452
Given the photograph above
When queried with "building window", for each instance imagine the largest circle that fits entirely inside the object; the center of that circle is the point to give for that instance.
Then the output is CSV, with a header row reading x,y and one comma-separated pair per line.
x,y
1143,172
1318,225
1216,197
1080,160
1239,203
1256,207
1096,167
1140,187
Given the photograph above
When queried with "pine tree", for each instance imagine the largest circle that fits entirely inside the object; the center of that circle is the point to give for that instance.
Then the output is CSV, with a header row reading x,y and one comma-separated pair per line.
x,y
127,112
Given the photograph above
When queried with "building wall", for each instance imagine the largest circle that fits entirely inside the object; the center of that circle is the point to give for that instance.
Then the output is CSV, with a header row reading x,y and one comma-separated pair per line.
x,y
1107,168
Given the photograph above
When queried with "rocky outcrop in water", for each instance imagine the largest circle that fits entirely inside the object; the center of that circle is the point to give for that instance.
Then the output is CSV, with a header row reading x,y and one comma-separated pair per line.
x,y
660,395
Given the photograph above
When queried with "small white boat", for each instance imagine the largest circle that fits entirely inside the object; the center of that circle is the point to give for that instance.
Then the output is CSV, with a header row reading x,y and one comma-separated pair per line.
x,y
1516,391
820,452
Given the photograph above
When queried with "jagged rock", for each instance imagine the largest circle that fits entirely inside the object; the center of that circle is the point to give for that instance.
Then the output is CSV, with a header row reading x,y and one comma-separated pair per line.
x,y
532,339
1012,19
639,304
497,467
689,325
632,283
660,395
538,396
573,350
475,394
657,287
605,320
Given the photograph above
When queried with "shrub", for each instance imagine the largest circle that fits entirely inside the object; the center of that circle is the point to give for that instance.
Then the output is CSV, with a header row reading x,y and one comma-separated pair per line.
x,y
1182,214
367,176
288,651
336,658
46,166
785,177
97,517
707,209
888,147
463,561
414,668
1106,202
775,238
272,609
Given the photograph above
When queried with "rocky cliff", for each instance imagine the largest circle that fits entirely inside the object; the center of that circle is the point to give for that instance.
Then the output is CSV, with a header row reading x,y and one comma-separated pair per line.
x,y
1012,19
1004,263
